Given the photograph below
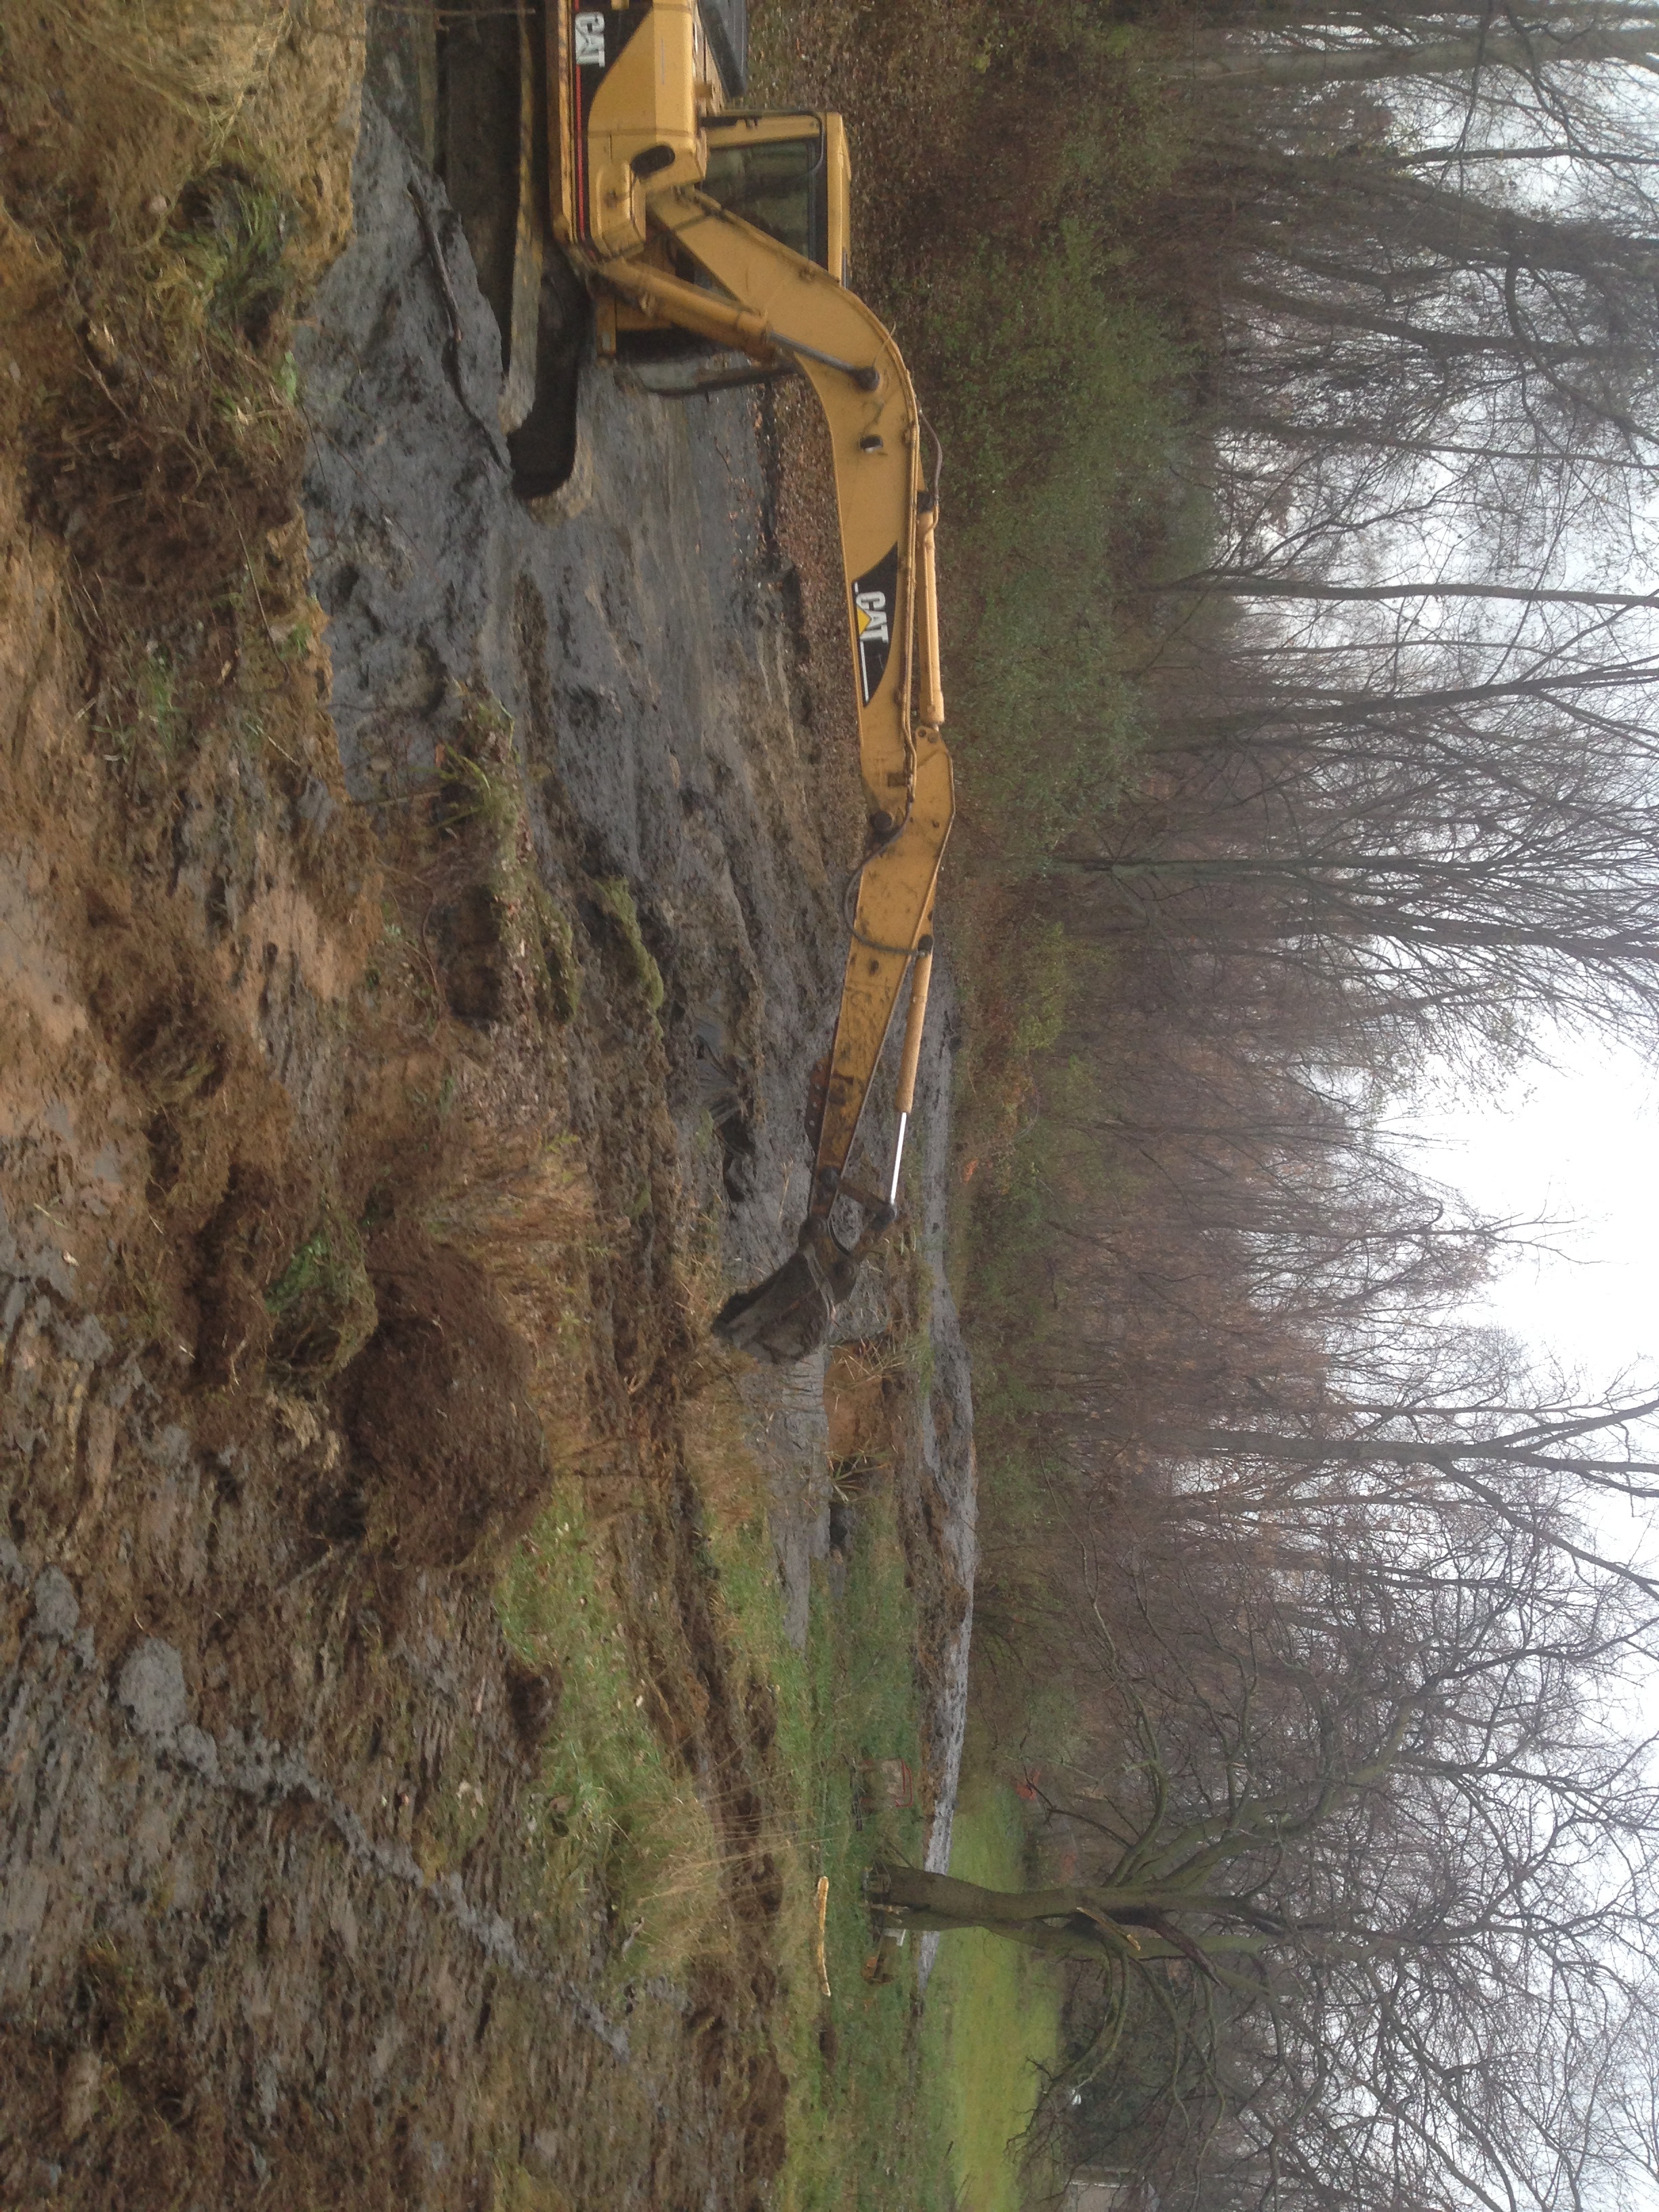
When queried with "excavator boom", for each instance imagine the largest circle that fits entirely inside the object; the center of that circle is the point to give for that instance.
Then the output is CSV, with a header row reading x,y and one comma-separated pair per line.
x,y
783,304
888,522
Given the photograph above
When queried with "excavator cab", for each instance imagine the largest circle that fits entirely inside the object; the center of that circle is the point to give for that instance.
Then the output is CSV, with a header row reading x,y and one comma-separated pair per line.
x,y
639,105
787,173
562,123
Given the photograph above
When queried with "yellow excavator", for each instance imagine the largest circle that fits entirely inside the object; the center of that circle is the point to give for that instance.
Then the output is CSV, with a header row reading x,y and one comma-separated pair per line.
x,y
692,221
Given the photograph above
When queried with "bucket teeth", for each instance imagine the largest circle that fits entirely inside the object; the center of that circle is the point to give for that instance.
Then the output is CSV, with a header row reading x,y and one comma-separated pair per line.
x,y
786,1318
790,1314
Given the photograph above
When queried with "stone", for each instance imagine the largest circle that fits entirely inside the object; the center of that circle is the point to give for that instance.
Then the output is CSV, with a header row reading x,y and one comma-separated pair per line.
x,y
57,1613
83,2081
198,1749
152,1688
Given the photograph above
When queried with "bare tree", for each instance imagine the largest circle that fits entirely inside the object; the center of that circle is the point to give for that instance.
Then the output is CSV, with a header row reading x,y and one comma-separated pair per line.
x,y
1374,1858
1362,1900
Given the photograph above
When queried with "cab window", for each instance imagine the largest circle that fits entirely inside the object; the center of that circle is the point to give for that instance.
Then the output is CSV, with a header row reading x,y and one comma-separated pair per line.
x,y
778,185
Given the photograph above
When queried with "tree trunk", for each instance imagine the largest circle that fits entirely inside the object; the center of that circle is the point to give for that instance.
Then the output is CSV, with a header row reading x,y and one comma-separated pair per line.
x,y
1241,586
1361,64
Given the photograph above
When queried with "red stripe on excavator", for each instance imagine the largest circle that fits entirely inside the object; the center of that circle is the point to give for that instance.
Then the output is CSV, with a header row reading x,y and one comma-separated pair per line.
x,y
579,121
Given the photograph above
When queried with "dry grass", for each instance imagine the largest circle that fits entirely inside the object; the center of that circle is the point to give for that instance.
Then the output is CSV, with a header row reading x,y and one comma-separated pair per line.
x,y
721,1456
170,175
322,1305
525,1214
205,63
117,106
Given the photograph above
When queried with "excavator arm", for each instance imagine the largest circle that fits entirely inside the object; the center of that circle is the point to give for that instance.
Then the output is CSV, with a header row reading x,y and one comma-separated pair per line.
x,y
773,304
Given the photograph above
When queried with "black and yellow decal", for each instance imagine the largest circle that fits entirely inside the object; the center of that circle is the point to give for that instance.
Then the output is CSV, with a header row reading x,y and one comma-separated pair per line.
x,y
873,596
597,36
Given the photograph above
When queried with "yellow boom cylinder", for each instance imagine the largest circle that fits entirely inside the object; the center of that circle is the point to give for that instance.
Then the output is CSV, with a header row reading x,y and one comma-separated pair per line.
x,y
930,707
659,294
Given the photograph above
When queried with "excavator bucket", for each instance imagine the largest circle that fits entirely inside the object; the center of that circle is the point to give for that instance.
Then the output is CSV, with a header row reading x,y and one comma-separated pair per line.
x,y
790,1314
783,1319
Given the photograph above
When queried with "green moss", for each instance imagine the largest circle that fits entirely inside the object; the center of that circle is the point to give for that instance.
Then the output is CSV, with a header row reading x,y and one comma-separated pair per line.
x,y
559,978
612,895
322,1304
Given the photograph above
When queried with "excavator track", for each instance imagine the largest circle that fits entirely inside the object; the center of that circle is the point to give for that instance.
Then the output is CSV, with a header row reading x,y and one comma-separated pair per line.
x,y
492,151
530,234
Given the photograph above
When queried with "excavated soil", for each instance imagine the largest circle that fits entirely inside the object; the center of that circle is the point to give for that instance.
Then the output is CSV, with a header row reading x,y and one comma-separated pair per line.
x,y
417,916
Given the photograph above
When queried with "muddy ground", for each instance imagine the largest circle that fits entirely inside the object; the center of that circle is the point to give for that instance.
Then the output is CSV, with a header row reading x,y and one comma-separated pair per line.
x,y
417,918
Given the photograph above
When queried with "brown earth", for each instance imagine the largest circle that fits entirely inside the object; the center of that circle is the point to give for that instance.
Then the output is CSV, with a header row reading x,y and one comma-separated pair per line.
x,y
367,1158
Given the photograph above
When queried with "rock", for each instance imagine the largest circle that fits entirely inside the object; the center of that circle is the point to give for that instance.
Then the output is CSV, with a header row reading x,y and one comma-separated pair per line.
x,y
315,809
57,1609
83,2082
198,1749
152,1688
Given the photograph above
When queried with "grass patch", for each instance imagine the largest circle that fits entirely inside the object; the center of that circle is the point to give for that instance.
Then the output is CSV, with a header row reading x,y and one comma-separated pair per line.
x,y
481,802
864,2131
231,234
1060,401
322,1305
607,1811
993,2010
1020,978
478,772
139,712
609,1814
613,897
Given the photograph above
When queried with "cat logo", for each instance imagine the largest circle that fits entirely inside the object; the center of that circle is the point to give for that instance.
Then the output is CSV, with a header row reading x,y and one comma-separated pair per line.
x,y
873,594
590,39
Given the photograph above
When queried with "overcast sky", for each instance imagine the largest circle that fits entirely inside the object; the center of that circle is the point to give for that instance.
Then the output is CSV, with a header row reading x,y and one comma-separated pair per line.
x,y
1582,1146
